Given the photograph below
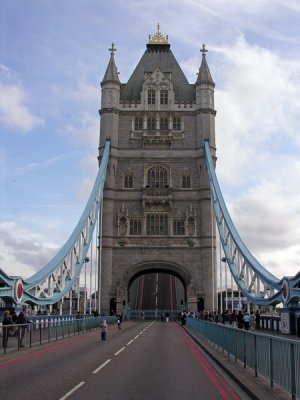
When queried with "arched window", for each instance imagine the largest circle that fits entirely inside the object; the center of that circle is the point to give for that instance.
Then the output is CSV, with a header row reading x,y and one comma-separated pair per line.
x,y
176,124
138,123
151,96
164,97
151,124
164,124
128,181
157,224
186,181
157,177
178,227
135,227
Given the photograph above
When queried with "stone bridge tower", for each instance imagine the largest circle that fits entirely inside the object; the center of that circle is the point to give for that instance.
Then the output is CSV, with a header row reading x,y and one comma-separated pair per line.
x,y
157,213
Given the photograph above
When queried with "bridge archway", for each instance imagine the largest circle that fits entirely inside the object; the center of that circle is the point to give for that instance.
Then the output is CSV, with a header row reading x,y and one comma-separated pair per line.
x,y
145,269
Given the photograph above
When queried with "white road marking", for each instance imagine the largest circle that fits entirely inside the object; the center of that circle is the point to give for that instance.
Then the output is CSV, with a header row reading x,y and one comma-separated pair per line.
x,y
72,391
119,351
136,337
102,366
129,342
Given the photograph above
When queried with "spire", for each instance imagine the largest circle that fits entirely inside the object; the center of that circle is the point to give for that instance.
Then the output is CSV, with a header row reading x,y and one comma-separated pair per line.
x,y
204,75
111,74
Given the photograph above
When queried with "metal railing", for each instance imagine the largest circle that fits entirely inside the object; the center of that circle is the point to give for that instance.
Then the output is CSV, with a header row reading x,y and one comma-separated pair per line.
x,y
274,357
41,331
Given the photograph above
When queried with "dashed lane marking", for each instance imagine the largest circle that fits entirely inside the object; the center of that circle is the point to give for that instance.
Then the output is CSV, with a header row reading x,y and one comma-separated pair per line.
x,y
119,351
72,391
136,337
102,366
129,342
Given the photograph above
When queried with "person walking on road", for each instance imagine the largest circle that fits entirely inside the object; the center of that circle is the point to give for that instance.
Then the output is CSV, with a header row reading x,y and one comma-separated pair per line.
x,y
120,318
167,316
23,321
5,327
103,327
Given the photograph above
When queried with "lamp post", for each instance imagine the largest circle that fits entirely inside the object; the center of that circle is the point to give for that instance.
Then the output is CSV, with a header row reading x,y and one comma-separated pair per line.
x,y
86,260
224,260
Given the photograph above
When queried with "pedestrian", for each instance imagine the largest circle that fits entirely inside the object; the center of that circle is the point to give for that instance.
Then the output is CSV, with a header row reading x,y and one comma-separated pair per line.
x,y
23,321
246,321
257,320
252,321
167,316
120,319
5,327
240,320
103,327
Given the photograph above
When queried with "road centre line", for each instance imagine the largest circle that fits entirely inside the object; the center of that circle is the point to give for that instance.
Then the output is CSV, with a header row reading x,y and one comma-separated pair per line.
x,y
129,342
102,366
136,337
119,351
72,391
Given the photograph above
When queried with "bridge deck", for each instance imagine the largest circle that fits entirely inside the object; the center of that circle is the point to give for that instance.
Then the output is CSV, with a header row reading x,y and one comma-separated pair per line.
x,y
143,360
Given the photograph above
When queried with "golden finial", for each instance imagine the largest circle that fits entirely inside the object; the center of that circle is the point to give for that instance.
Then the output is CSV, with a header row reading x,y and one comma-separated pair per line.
x,y
158,38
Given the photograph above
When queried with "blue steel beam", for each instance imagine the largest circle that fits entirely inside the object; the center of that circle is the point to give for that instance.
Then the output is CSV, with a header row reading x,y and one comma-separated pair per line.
x,y
253,280
55,280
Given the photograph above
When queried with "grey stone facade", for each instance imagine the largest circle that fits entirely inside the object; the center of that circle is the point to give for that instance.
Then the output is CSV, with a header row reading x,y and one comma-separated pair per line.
x,y
157,202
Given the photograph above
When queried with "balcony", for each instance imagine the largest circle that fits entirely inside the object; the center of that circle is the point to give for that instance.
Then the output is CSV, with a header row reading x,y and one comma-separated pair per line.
x,y
157,138
157,196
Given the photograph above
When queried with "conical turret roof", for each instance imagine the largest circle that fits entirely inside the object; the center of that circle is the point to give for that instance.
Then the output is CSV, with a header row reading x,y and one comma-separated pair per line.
x,y
111,74
204,75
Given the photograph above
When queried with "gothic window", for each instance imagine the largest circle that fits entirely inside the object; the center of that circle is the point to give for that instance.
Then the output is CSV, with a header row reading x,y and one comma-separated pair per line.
x,y
138,123
135,227
157,224
151,96
128,181
163,97
164,124
186,181
157,177
178,227
151,124
176,124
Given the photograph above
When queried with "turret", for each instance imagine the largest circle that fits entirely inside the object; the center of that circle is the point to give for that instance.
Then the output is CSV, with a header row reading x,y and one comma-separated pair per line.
x,y
110,100
205,102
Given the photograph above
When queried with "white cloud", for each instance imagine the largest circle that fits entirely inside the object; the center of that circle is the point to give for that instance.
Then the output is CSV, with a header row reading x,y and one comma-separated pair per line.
x,y
85,130
259,105
14,111
23,251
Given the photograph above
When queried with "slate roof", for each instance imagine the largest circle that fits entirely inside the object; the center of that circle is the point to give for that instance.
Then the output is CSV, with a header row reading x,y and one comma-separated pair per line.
x,y
111,74
158,56
204,75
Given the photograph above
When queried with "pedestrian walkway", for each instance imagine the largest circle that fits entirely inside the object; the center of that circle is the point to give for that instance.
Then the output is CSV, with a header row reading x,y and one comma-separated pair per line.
x,y
258,388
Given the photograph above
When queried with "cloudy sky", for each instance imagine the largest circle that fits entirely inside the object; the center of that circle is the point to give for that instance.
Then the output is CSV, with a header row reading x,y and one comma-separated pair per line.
x,y
53,56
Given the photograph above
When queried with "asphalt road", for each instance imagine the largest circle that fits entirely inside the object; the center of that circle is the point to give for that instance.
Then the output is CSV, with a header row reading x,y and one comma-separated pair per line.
x,y
142,361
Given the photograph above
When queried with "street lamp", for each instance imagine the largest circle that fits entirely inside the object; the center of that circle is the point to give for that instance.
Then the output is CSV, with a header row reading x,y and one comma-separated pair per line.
x,y
86,260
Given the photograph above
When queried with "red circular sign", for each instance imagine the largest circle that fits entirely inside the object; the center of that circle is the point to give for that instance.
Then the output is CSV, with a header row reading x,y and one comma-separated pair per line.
x,y
285,290
19,290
